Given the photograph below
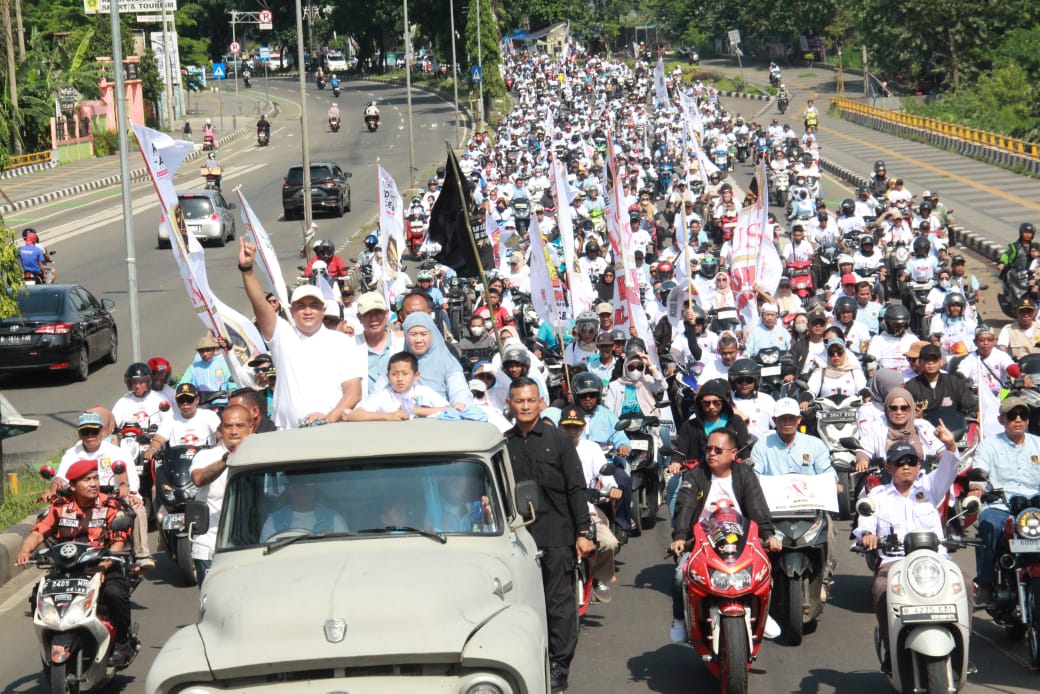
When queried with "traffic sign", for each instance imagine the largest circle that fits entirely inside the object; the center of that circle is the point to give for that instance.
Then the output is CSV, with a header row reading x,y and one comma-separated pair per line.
x,y
265,53
475,74
734,36
219,71
235,47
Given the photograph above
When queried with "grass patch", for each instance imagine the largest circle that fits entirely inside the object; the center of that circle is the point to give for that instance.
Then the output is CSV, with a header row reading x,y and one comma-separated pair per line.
x,y
30,487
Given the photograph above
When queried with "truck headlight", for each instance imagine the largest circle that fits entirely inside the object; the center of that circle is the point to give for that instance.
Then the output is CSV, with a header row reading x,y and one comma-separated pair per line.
x,y
485,683
721,580
926,577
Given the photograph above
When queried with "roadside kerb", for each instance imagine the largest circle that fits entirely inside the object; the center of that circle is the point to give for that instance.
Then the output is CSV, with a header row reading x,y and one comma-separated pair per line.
x,y
958,234
22,170
10,542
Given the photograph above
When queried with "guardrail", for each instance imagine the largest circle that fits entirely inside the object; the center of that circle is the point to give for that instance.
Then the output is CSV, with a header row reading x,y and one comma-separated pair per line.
x,y
980,144
27,160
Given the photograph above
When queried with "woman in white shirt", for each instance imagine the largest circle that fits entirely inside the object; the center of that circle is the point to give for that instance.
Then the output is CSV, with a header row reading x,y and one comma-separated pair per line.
x,y
840,375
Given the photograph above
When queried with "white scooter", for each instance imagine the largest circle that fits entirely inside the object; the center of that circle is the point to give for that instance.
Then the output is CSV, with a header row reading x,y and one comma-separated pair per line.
x,y
929,614
76,643
836,421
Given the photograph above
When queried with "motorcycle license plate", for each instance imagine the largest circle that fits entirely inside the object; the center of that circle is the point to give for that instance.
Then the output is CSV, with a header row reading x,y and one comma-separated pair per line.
x,y
1020,546
174,521
840,416
71,586
928,613
640,445
768,371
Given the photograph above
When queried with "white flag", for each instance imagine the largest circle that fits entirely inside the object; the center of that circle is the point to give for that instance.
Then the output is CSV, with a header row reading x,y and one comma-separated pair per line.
x,y
546,295
245,340
660,86
391,232
582,296
265,254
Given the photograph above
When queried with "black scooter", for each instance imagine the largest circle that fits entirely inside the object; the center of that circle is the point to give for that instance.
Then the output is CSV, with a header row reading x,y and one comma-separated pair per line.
x,y
647,474
173,489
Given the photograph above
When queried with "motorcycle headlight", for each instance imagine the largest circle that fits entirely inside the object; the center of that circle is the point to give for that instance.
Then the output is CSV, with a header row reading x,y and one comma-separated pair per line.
x,y
809,536
895,582
74,612
722,580
926,577
769,357
1027,524
49,613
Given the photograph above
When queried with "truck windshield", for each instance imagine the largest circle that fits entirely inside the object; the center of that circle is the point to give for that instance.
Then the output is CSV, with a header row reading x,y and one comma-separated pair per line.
x,y
332,499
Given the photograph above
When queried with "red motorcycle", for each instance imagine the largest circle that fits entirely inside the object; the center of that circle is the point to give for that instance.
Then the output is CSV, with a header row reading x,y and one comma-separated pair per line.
x,y
416,234
727,582
800,272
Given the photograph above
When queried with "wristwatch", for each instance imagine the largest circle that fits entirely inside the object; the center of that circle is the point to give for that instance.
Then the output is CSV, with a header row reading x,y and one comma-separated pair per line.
x,y
589,534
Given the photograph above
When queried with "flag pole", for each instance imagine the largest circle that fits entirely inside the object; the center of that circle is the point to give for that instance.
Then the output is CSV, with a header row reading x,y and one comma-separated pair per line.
x,y
566,368
473,242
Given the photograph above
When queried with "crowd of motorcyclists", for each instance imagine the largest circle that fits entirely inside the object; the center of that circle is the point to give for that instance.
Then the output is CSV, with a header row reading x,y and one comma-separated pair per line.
x,y
866,365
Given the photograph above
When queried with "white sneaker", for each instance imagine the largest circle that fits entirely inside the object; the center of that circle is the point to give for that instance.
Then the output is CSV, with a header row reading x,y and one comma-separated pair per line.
x,y
772,629
677,633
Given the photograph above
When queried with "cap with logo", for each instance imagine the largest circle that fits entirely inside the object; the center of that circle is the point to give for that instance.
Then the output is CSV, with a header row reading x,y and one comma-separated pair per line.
x,y
899,450
786,407
605,339
89,420
475,384
572,416
185,391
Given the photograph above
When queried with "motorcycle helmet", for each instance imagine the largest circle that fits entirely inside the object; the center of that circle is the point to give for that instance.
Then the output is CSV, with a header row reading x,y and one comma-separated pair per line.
x,y
424,276
744,368
954,298
664,289
862,190
586,384
431,182
925,208
896,318
618,335
866,240
371,241
135,372
879,166
807,159
159,365
845,304
665,270
698,314
922,245
848,207
587,323
29,230
1026,227
709,267
324,250
516,355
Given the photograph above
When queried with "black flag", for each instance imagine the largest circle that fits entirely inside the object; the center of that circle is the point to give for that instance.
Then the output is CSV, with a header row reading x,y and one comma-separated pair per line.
x,y
448,225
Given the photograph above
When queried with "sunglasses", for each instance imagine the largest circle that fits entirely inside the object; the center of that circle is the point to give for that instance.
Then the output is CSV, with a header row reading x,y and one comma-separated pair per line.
x,y
715,402
899,408
819,322
587,396
836,353
715,450
906,461
1017,414
744,380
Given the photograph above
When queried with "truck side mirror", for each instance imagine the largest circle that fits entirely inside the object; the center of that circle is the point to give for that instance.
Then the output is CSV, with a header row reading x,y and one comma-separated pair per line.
x,y
526,495
196,516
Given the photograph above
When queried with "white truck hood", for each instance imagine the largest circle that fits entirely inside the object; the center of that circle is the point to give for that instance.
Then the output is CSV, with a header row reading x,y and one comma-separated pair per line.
x,y
417,605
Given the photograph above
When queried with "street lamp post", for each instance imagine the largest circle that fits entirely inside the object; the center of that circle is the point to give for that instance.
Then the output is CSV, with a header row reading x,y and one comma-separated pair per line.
x,y
304,141
454,70
480,62
408,89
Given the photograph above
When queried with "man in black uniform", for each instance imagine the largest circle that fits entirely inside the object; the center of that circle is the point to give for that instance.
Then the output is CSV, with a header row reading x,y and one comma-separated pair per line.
x,y
543,453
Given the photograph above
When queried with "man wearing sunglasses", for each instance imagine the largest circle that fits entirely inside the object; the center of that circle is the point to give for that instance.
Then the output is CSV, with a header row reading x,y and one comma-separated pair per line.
x,y
1012,460
909,502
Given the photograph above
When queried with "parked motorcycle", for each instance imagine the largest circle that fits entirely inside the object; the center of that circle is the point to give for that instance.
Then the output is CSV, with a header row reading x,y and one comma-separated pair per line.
x,y
173,489
645,470
929,615
726,580
76,642
372,123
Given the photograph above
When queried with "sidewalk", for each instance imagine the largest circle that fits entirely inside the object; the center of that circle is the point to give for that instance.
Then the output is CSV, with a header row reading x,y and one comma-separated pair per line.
x,y
989,202
228,112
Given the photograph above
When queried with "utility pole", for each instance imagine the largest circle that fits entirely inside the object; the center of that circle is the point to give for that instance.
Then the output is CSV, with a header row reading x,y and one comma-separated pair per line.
x,y
408,91
455,69
234,39
304,141
12,75
866,75
168,62
480,62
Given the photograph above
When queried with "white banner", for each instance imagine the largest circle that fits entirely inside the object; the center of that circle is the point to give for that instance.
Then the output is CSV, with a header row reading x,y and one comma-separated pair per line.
x,y
265,254
245,342
129,6
159,46
391,232
660,87
546,294
786,493
582,296
755,259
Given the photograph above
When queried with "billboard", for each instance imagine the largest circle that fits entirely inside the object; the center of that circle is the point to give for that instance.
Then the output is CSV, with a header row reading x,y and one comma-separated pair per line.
x,y
131,6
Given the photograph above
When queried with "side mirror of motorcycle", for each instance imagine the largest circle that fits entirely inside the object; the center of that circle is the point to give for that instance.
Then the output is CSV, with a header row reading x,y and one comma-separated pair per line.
x,y
196,515
608,470
801,384
983,287
971,504
622,424
526,495
865,507
122,523
850,442
978,475
47,472
119,467
652,422
164,406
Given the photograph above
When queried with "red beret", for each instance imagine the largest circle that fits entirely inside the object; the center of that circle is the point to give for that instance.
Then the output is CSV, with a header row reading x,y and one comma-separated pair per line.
x,y
81,468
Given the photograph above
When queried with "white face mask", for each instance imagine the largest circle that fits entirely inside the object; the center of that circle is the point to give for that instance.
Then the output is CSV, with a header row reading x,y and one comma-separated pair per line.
x,y
476,330
945,284
801,327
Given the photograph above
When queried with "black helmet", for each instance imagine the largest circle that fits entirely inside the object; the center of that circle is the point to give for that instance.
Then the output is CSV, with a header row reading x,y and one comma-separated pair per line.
x,y
586,383
897,317
954,298
431,182
29,230
744,368
807,158
922,245
324,249
860,190
517,355
709,266
879,166
698,314
137,370
848,207
925,208
843,304
1026,226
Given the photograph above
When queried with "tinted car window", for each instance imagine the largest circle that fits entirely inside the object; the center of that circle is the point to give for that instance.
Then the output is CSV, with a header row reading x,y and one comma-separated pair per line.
x,y
318,173
196,208
80,301
41,303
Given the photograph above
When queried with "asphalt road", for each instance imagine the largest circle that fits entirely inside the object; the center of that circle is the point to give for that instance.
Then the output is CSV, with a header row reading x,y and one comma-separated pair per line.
x,y
87,233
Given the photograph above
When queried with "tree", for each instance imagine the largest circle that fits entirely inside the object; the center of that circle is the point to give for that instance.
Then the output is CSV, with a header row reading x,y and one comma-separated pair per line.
x,y
11,281
490,53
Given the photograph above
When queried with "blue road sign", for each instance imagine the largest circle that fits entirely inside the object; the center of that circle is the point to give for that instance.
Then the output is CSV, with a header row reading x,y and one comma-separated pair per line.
x,y
474,73
219,71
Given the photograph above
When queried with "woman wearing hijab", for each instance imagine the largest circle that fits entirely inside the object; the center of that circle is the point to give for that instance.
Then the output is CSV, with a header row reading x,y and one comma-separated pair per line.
x,y
899,423
724,297
840,374
605,286
881,383
437,368
634,391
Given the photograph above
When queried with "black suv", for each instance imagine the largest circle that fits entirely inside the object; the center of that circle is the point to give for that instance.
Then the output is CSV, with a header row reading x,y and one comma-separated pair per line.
x,y
329,189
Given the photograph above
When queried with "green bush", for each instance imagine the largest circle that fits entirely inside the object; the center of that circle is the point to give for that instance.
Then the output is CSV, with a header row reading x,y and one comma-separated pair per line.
x,y
105,142
30,487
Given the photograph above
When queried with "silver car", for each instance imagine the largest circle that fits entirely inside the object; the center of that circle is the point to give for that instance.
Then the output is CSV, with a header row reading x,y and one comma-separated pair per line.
x,y
207,215
399,563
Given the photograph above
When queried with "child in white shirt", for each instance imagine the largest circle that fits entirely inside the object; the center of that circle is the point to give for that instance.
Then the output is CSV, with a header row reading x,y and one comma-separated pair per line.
x,y
401,399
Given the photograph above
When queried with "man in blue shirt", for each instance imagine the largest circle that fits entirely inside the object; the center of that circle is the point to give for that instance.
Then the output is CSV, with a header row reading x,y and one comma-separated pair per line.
x,y
211,371
32,259
768,333
787,450
1012,460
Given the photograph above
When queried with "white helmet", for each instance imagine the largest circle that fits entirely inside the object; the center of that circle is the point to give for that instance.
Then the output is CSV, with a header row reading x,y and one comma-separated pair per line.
x,y
209,121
